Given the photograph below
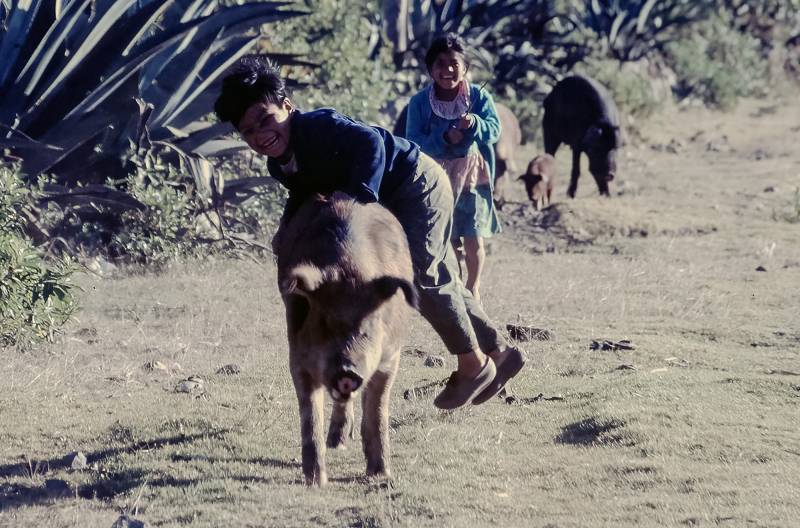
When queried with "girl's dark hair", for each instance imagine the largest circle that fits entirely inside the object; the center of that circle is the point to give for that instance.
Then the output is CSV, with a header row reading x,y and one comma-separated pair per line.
x,y
253,80
443,43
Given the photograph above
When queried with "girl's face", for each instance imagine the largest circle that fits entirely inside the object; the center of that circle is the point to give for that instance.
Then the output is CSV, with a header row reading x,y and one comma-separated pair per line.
x,y
448,70
265,128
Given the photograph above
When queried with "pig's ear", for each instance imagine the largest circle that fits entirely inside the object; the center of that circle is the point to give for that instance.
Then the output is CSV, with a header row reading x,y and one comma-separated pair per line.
x,y
591,136
304,279
387,286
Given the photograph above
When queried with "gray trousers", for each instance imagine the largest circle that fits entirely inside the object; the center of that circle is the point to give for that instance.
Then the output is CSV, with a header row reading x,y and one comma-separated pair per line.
x,y
425,210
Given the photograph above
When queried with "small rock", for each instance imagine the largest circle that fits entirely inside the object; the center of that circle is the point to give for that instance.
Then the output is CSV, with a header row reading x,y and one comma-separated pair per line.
x,y
423,390
230,370
434,361
151,366
761,154
126,522
191,384
769,189
528,333
414,351
78,461
626,366
607,344
761,268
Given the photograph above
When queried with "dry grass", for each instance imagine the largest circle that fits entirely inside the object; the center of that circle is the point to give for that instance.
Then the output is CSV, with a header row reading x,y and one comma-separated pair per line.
x,y
701,431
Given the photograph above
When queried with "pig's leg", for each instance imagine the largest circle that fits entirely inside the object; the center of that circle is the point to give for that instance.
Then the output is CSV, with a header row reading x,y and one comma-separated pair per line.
x,y
341,427
310,398
576,171
375,421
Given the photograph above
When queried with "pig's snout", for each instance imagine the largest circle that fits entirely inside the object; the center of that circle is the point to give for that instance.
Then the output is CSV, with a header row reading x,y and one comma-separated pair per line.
x,y
345,383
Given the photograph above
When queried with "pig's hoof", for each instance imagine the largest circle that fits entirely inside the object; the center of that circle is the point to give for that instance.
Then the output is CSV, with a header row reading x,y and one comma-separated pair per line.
x,y
381,474
319,480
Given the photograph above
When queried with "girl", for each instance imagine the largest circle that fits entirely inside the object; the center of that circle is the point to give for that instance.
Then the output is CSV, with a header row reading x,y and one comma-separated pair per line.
x,y
456,123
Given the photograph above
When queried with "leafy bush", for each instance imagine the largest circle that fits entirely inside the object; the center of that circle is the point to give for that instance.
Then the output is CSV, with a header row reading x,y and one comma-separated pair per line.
x,y
36,297
354,74
632,92
178,215
718,65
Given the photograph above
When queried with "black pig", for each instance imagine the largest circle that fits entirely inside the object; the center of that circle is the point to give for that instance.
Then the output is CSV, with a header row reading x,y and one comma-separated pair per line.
x,y
580,112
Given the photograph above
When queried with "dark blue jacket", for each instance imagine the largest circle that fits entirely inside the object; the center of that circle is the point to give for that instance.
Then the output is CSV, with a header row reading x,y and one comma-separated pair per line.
x,y
336,153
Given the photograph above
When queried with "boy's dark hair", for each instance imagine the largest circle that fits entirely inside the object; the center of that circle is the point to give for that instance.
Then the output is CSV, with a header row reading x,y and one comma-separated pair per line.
x,y
443,43
253,80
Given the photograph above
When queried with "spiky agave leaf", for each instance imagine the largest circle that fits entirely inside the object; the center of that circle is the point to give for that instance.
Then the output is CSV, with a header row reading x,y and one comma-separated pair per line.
x,y
74,91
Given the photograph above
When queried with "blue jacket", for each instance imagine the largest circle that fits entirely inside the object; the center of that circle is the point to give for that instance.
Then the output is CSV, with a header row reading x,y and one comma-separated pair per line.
x,y
426,129
336,153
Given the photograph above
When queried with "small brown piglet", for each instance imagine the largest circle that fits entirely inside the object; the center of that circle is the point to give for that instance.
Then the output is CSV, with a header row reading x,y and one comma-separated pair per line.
x,y
539,179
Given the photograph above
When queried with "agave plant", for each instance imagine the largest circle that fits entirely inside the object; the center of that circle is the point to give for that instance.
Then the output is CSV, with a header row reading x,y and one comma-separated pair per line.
x,y
629,30
81,84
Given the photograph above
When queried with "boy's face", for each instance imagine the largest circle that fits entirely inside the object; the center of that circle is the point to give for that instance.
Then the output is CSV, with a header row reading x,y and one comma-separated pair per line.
x,y
265,128
448,70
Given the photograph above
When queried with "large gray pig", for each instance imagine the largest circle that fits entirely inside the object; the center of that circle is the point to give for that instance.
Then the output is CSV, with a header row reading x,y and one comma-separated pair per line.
x,y
580,112
345,275
504,149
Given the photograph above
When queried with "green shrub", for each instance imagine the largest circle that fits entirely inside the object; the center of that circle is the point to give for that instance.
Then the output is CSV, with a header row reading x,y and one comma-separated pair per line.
x,y
36,297
163,231
180,219
718,65
354,75
633,93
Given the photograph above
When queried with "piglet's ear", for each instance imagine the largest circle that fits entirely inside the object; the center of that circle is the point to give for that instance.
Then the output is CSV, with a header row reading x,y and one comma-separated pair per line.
x,y
304,279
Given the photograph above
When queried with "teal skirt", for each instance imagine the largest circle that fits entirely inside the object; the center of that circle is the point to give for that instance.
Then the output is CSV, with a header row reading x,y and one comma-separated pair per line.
x,y
474,214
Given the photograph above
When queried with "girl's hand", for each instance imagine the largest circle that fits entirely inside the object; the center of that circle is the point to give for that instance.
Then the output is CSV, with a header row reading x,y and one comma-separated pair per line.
x,y
466,121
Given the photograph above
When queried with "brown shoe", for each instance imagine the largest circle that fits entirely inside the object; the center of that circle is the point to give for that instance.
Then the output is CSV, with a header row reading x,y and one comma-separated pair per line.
x,y
458,391
509,368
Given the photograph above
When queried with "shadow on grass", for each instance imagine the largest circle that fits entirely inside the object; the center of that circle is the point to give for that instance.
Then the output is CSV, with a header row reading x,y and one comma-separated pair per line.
x,y
594,431
261,461
106,487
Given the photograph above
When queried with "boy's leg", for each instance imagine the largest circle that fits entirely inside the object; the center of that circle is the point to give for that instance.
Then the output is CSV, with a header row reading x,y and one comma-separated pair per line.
x,y
425,208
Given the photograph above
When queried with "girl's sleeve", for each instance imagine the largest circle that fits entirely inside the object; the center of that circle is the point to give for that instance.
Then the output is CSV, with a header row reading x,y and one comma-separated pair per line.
x,y
430,141
486,125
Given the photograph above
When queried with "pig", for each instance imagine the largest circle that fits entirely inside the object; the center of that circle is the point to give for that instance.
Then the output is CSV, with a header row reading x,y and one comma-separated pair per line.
x,y
510,139
346,279
539,180
580,112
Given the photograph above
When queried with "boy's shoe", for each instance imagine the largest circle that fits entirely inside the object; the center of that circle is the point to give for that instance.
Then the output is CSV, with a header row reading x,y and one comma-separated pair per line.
x,y
458,392
509,368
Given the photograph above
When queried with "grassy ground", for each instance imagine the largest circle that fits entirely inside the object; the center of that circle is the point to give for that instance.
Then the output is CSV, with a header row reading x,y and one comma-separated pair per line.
x,y
697,426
